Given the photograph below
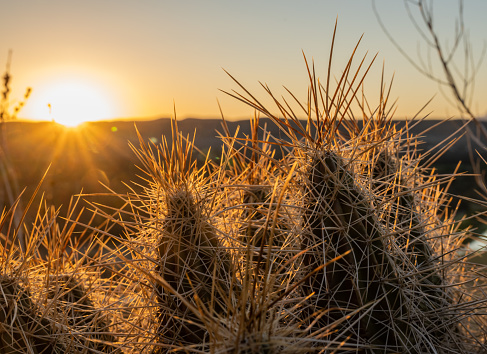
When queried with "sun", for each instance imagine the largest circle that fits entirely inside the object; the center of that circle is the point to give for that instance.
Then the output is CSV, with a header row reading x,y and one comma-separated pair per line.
x,y
72,102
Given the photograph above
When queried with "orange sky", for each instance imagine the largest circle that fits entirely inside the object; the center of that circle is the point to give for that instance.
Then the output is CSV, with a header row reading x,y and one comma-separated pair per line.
x,y
96,59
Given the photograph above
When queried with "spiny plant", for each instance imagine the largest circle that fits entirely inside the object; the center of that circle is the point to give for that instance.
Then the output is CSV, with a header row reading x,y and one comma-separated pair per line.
x,y
49,288
251,170
193,268
394,289
344,244
24,327
68,270
197,284
366,259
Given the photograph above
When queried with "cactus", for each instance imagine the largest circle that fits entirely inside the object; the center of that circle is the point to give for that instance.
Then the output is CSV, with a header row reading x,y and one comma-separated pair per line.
x,y
341,220
337,247
194,265
23,329
253,170
72,300
403,216
377,272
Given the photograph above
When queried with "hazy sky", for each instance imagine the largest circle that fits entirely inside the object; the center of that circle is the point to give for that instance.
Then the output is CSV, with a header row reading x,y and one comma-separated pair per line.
x,y
124,58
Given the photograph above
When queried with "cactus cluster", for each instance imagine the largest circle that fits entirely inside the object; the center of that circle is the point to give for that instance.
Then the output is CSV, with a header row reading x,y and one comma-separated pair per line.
x,y
343,244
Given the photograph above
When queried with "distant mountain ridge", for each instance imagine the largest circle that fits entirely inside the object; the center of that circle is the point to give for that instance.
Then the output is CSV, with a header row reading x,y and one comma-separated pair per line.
x,y
97,152
432,132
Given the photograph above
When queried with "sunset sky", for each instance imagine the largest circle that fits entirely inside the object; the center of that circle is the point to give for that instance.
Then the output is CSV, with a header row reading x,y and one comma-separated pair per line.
x,y
100,59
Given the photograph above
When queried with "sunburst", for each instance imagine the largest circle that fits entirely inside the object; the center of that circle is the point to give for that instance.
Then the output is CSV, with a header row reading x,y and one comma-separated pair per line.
x,y
71,102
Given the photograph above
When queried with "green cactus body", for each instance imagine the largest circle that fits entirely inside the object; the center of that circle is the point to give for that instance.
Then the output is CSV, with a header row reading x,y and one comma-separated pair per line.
x,y
20,326
194,265
72,298
259,235
340,220
254,211
404,218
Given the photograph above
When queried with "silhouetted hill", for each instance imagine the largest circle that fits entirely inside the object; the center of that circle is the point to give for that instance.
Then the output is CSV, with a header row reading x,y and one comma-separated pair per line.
x,y
99,151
